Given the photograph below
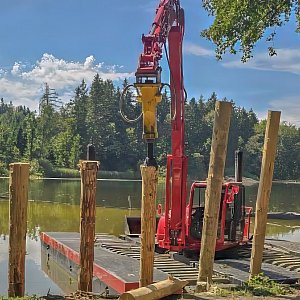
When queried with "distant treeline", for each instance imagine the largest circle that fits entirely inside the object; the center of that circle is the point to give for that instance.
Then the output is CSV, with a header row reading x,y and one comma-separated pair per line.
x,y
54,138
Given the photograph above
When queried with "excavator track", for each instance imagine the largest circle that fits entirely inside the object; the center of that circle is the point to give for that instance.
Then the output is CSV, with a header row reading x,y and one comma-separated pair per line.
x,y
162,262
278,263
276,254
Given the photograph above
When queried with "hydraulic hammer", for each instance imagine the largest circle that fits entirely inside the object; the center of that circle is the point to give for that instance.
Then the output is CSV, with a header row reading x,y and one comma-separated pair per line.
x,y
149,96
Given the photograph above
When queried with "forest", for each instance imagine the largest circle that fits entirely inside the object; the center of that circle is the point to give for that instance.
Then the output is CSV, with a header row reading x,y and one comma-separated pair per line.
x,y
54,138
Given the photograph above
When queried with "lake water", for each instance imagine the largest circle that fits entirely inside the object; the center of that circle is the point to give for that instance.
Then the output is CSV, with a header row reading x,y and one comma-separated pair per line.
x,y
54,206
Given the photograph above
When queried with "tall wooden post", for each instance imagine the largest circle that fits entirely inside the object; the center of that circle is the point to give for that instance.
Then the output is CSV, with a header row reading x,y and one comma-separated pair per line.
x,y
88,173
148,223
18,200
264,191
213,192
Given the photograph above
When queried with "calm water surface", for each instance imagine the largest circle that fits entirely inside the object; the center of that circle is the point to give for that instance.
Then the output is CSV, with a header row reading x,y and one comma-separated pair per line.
x,y
54,206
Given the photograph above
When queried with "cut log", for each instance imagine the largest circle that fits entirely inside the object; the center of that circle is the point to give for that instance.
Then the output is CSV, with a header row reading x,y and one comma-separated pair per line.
x,y
156,290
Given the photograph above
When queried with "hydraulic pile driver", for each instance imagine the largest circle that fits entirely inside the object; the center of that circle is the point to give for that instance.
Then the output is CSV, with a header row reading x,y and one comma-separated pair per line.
x,y
180,226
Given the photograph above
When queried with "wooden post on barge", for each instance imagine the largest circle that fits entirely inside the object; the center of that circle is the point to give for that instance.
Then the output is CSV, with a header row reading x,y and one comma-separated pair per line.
x,y
88,173
264,191
18,200
213,193
148,223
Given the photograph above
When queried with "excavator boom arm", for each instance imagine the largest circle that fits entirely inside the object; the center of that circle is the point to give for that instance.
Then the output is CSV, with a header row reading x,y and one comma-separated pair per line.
x,y
167,15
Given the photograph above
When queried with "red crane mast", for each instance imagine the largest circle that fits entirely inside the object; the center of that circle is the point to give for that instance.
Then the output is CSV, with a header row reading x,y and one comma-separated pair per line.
x,y
180,226
168,26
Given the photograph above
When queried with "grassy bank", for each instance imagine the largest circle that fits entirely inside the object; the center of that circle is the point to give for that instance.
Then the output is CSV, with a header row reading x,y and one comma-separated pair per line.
x,y
43,168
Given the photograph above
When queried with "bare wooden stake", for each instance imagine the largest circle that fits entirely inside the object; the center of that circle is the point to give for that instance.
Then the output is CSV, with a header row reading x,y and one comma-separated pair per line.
x,y
213,192
18,200
148,223
264,191
88,173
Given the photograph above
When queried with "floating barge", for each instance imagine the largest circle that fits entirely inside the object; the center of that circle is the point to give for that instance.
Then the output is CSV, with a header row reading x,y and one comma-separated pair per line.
x,y
116,261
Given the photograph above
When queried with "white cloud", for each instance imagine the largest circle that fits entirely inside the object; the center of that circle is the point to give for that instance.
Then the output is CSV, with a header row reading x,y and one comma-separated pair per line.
x,y
197,50
15,69
289,107
23,85
89,61
286,60
19,92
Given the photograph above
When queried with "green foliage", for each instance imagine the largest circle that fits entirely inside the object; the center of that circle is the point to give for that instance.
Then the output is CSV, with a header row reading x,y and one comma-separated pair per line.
x,y
77,109
65,173
41,167
288,152
54,140
3,169
259,285
238,25
44,168
119,175
232,292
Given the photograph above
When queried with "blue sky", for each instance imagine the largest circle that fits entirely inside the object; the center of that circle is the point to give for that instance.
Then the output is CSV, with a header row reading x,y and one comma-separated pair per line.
x,y
62,42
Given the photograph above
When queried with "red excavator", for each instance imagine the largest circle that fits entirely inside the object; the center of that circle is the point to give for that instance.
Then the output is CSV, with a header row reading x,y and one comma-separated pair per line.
x,y
179,227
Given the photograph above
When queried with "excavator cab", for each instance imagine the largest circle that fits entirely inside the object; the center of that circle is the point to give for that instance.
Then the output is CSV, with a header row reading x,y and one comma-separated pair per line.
x,y
233,218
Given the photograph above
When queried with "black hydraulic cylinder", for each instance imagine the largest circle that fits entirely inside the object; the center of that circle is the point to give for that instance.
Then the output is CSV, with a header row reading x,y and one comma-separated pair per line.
x,y
238,166
91,152
150,159
150,150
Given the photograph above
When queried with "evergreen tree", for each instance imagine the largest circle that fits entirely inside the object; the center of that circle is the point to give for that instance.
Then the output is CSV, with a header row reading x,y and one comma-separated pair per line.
x,y
59,136
47,123
30,133
100,125
78,110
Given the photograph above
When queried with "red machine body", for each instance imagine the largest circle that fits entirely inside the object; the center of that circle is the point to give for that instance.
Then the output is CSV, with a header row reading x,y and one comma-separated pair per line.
x,y
180,226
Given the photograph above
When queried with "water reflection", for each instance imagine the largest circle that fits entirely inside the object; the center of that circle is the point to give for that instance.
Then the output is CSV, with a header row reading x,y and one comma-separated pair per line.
x,y
65,278
65,217
47,216
284,197
54,204
61,276
288,230
36,281
109,193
